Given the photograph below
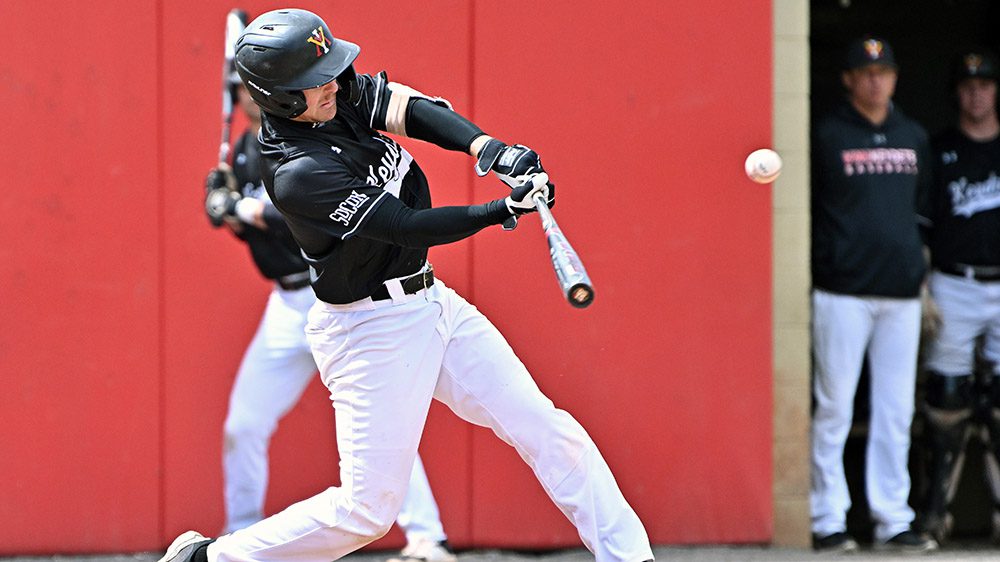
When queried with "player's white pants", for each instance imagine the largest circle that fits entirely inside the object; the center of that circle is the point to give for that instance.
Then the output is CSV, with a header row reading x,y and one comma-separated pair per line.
x,y
844,327
276,368
383,362
968,308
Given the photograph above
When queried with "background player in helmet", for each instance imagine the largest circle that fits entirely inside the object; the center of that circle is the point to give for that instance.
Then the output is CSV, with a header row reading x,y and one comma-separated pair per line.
x,y
963,234
278,365
387,336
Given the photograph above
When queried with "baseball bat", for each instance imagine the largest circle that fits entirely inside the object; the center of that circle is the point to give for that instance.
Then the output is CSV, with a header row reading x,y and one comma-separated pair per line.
x,y
572,277
236,22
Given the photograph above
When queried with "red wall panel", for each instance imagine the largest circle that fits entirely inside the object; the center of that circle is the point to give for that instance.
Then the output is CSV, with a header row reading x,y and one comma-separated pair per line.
x,y
636,113
79,352
126,315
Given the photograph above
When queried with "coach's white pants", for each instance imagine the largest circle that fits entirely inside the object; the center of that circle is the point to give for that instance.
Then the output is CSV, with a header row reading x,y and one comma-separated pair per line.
x,y
276,368
968,308
383,362
844,327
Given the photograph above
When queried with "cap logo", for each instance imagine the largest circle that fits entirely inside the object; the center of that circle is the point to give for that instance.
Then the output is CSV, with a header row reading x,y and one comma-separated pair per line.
x,y
320,40
973,62
874,49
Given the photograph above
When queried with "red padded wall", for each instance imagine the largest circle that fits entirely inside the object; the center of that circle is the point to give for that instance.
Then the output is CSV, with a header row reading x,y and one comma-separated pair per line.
x,y
79,277
126,315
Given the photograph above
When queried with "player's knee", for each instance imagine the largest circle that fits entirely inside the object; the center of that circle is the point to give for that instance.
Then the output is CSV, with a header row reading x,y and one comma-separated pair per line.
x,y
949,392
245,428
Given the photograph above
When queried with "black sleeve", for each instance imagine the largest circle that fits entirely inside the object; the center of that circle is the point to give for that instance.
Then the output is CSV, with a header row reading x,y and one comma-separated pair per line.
x,y
395,223
428,121
273,219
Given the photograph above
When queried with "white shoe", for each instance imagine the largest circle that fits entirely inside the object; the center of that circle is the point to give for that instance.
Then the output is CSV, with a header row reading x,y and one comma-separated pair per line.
x,y
183,547
425,550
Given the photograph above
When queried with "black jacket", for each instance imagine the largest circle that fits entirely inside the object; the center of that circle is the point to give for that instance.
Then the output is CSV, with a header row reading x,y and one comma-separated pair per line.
x,y
866,183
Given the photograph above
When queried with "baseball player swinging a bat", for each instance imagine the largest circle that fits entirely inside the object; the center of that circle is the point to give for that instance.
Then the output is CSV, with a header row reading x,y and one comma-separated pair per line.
x,y
387,335
278,365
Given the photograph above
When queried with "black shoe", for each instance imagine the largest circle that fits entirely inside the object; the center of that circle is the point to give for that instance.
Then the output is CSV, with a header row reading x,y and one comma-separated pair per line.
x,y
184,547
834,542
909,541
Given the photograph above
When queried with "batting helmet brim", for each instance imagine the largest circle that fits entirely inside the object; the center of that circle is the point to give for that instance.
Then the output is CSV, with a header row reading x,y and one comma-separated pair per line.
x,y
327,68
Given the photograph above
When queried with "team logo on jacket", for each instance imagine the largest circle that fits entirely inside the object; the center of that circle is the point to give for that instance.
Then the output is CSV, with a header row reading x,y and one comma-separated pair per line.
x,y
869,161
320,40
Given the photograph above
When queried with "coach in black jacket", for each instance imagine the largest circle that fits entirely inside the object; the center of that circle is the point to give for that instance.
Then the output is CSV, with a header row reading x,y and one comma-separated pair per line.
x,y
870,162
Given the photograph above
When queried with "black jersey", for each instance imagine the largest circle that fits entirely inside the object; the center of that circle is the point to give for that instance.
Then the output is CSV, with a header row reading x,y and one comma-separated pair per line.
x,y
327,179
963,211
865,186
273,249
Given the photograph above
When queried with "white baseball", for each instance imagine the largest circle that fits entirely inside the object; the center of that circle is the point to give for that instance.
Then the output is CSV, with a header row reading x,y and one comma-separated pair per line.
x,y
763,165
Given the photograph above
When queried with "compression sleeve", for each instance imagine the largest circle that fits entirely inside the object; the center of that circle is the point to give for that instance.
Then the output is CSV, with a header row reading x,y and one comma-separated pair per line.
x,y
395,223
431,122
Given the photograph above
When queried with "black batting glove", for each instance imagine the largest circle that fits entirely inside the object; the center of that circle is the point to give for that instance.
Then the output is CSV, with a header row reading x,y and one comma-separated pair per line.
x,y
221,195
512,164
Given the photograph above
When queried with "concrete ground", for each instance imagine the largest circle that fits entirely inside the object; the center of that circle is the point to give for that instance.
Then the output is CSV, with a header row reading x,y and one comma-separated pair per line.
x,y
961,553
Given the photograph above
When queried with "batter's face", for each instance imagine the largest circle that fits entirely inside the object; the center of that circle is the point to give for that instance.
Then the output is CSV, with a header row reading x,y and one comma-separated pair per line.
x,y
321,103
977,98
871,87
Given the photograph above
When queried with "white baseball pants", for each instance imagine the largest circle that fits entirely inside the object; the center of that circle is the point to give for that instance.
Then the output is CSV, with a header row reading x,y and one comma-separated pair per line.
x,y
276,369
844,328
968,308
383,362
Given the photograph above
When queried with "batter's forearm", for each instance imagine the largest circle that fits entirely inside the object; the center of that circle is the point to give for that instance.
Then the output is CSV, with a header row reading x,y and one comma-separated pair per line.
x,y
397,224
433,123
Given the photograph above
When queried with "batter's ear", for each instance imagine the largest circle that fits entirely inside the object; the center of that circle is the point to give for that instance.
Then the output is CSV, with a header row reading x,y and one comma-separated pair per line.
x,y
845,79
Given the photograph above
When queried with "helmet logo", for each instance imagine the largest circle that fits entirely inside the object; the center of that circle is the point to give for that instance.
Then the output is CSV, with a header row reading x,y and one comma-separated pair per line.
x,y
972,63
874,48
320,40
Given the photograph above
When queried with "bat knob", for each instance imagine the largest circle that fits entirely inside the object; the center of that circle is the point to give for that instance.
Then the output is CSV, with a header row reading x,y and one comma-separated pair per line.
x,y
580,295
510,223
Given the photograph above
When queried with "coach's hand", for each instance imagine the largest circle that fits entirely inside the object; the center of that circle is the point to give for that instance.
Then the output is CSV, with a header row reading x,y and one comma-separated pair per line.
x,y
512,164
521,198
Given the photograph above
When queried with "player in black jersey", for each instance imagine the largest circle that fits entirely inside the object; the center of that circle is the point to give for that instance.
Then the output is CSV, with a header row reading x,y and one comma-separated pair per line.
x,y
388,337
278,364
963,234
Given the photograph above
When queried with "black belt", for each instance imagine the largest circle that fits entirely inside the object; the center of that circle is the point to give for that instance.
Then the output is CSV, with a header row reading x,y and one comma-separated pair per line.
x,y
411,285
294,281
977,272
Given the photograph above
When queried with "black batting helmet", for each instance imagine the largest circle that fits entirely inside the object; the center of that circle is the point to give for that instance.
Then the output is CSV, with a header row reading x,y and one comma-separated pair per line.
x,y
286,51
974,64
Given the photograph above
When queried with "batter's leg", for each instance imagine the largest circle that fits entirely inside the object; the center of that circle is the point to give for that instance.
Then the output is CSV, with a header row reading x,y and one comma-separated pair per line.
x,y
419,517
484,382
381,366
276,368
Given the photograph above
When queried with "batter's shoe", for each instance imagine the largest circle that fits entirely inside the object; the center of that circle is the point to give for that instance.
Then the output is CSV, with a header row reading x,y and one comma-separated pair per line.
x,y
425,550
910,542
184,547
834,542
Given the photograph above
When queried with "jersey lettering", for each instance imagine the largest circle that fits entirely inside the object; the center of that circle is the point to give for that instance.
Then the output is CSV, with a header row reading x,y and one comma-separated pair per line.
x,y
348,208
968,199
388,169
861,161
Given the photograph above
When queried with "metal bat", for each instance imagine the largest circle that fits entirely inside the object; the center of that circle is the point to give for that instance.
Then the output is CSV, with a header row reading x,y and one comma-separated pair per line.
x,y
236,22
572,277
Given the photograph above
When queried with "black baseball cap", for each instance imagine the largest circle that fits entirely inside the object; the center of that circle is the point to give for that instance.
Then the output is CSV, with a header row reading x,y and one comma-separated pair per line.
x,y
869,50
974,64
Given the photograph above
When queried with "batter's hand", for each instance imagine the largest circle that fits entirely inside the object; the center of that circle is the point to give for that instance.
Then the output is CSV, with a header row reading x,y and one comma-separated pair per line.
x,y
512,164
521,198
